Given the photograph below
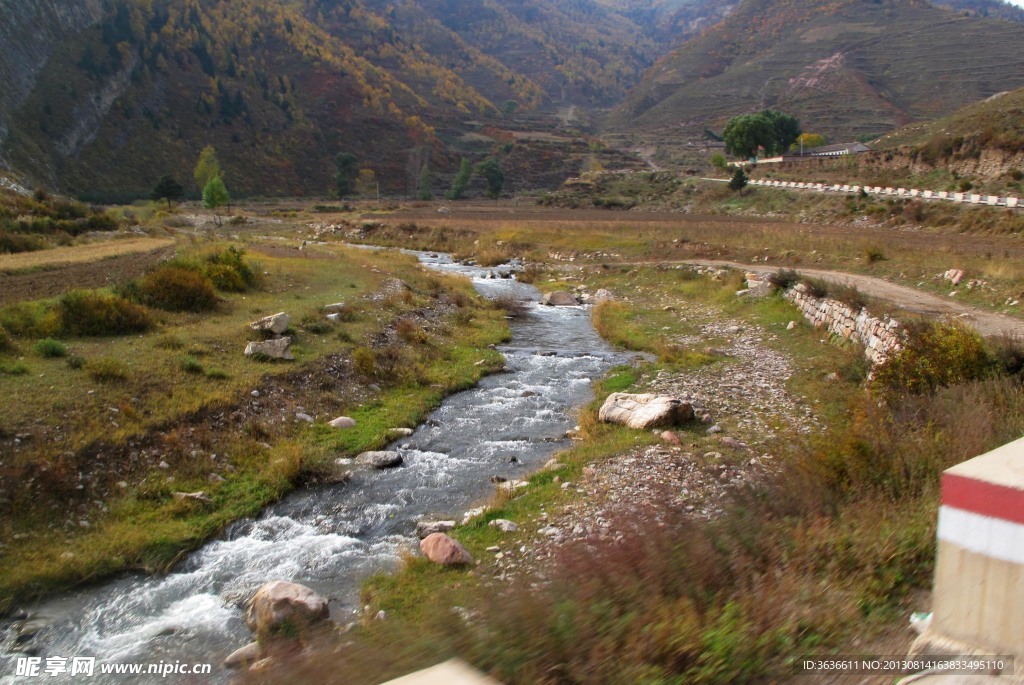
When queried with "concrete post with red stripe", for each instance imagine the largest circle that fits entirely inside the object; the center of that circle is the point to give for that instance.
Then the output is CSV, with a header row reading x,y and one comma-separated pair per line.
x,y
978,599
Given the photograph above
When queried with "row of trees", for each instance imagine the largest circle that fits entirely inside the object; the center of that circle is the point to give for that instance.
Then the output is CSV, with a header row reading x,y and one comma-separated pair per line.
x,y
349,179
208,178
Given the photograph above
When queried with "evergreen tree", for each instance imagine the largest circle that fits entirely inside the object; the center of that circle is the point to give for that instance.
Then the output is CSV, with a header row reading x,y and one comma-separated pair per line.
x,y
425,191
490,169
739,180
461,180
215,195
168,189
344,179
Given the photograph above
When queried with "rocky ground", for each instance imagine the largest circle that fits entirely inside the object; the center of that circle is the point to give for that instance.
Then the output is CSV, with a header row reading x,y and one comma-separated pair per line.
x,y
742,404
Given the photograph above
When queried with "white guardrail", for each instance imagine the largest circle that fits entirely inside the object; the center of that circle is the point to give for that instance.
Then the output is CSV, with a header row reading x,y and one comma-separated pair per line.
x,y
963,198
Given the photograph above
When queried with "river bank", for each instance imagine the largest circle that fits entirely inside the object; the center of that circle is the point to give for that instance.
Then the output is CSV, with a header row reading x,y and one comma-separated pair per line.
x,y
800,520
330,538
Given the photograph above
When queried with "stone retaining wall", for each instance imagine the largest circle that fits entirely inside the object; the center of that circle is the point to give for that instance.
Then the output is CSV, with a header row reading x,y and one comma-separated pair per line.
x,y
878,336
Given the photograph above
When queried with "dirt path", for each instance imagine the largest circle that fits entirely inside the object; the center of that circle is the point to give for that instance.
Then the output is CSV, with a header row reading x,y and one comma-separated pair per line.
x,y
913,300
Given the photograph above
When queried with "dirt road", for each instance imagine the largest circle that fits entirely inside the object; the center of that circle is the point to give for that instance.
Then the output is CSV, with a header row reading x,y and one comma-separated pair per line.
x,y
912,300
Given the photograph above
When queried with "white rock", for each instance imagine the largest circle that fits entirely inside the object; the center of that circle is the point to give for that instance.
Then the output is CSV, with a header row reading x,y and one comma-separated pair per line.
x,y
380,459
644,411
342,422
504,525
425,528
279,348
275,323
559,298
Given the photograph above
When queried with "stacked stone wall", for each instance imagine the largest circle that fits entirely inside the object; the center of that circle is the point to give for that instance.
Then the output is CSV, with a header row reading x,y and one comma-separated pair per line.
x,y
879,337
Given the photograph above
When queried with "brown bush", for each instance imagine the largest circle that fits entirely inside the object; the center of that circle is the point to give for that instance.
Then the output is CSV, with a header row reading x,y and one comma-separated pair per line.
x,y
87,313
176,289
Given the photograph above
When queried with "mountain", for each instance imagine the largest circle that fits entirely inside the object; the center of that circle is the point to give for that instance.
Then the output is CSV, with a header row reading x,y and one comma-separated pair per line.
x,y
106,96
845,68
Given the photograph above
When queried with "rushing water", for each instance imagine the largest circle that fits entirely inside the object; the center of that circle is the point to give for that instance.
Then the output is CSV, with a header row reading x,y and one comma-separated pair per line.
x,y
332,538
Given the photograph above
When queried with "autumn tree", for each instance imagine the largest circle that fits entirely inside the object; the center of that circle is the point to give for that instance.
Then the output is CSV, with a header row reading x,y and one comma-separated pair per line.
x,y
807,141
366,182
215,195
207,167
461,181
168,189
494,177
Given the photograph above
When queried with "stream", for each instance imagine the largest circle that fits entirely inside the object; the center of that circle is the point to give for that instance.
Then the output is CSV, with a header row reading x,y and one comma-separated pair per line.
x,y
333,538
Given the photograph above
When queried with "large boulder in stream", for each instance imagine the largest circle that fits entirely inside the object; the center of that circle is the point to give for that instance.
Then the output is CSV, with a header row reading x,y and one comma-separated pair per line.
x,y
281,608
560,298
645,411
441,549
380,459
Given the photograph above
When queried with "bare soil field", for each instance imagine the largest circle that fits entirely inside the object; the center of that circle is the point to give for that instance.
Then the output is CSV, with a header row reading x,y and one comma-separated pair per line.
x,y
37,275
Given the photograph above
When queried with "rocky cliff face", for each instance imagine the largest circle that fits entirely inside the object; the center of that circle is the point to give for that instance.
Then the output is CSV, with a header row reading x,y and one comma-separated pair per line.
x,y
29,34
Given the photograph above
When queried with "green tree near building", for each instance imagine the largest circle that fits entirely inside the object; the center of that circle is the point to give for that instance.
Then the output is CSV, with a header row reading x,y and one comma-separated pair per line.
x,y
494,177
347,165
426,181
461,181
215,195
207,167
771,130
168,189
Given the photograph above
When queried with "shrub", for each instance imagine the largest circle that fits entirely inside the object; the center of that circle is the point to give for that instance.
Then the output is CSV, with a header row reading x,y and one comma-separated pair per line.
x,y
315,323
29,321
784,279
6,343
191,365
815,287
50,348
874,254
408,331
934,355
176,289
217,374
14,242
388,363
225,279
76,362
1008,352
170,342
107,370
230,272
848,295
13,368
87,313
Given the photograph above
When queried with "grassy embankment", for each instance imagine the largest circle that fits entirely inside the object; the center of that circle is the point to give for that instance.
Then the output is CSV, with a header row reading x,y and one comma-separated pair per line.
x,y
829,552
100,430
796,236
